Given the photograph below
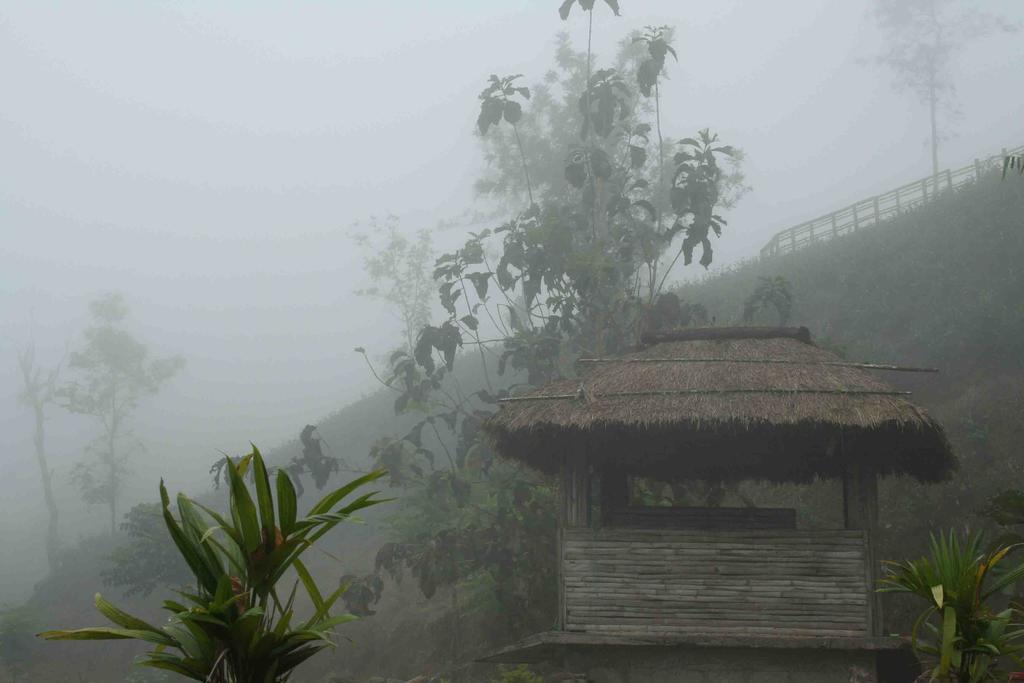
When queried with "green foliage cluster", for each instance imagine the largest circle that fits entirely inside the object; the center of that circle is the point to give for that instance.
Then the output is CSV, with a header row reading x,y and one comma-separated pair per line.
x,y
520,674
771,292
238,627
147,560
611,208
961,632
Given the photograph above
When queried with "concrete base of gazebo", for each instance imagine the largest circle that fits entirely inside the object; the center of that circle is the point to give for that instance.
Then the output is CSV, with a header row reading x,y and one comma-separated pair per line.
x,y
704,659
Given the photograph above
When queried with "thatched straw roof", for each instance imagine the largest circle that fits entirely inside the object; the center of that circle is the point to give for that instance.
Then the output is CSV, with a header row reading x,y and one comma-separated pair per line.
x,y
733,403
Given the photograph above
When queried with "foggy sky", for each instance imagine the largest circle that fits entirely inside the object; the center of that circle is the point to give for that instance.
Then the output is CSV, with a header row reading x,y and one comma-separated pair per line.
x,y
208,160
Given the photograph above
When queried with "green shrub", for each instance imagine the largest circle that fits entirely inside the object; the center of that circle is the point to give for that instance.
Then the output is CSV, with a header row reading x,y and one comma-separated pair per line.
x,y
237,627
520,674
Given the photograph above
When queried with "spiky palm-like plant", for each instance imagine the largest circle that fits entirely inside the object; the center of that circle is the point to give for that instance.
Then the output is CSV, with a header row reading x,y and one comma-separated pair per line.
x,y
960,631
237,627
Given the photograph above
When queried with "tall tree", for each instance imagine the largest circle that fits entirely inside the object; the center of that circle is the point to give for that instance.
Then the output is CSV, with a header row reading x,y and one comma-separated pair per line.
x,y
922,39
398,269
39,390
573,273
113,373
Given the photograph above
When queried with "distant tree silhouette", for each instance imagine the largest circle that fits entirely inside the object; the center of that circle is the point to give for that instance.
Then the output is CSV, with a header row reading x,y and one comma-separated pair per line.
x,y
112,374
922,40
39,390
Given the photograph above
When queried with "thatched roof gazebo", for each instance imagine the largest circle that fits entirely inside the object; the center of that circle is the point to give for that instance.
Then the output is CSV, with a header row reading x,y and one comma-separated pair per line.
x,y
723,404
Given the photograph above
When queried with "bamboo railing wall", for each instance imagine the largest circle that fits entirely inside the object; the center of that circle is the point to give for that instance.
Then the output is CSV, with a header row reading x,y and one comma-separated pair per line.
x,y
735,583
880,208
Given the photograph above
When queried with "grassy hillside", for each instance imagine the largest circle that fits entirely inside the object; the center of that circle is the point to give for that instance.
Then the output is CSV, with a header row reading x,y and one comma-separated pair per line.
x,y
940,285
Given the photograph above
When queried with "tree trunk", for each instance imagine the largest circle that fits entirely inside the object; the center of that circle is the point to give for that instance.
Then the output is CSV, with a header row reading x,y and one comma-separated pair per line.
x,y
112,484
52,541
456,646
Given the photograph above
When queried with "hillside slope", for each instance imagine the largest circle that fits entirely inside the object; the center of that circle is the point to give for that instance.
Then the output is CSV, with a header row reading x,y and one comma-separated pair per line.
x,y
941,286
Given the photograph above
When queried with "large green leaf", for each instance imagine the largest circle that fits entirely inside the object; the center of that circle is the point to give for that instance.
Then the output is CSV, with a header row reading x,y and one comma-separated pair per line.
x,y
291,659
310,585
325,609
287,503
230,551
120,617
227,527
266,504
325,625
169,662
192,640
336,496
194,527
948,639
107,633
243,510
327,521
191,554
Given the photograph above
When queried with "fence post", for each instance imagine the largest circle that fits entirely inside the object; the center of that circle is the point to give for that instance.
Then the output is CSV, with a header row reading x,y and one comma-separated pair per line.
x,y
856,221
977,169
949,179
878,216
792,240
924,190
897,193
834,231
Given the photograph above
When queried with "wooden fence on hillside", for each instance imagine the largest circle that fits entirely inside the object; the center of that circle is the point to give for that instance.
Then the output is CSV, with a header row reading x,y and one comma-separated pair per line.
x,y
880,208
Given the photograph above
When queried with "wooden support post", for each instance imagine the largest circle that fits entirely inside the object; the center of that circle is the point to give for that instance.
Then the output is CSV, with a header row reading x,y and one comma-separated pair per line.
x,y
860,511
574,512
614,493
575,491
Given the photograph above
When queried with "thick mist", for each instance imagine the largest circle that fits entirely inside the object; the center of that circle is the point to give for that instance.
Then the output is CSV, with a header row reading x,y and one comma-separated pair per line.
x,y
209,163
